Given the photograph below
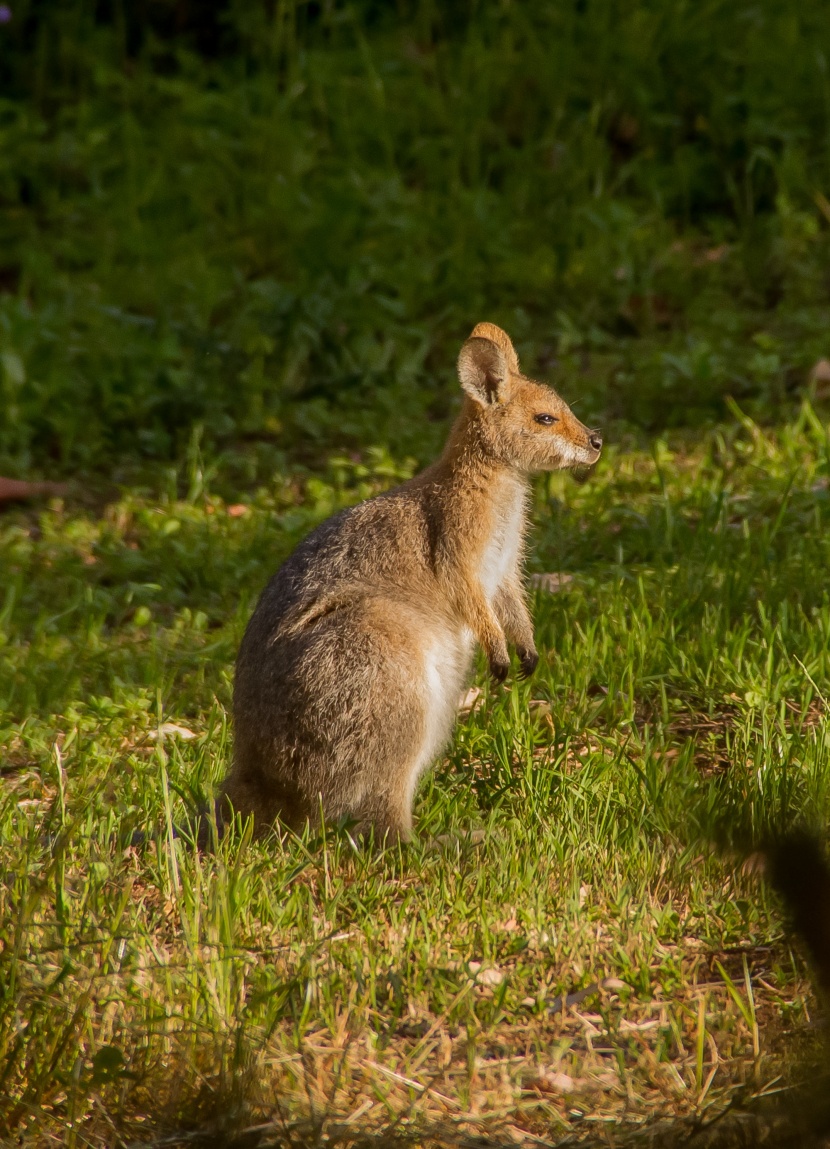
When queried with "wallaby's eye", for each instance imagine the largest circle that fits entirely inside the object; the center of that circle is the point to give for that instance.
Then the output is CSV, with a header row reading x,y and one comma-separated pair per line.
x,y
546,420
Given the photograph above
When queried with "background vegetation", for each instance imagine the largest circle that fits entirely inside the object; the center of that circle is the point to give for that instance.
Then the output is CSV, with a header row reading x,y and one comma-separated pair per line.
x,y
284,236
239,247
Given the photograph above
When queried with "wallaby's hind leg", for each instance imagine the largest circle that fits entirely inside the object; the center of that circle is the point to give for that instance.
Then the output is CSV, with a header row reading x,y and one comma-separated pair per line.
x,y
348,711
246,795
388,815
435,701
390,821
389,811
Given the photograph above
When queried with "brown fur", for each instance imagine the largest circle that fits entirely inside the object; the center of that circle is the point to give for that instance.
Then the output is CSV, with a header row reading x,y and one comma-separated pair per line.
x,y
349,674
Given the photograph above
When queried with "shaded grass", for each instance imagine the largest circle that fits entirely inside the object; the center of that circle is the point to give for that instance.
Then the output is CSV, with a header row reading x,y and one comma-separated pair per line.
x,y
286,243
313,983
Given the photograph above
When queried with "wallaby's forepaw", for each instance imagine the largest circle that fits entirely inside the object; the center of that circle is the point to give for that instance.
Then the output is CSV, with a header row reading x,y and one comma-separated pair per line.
x,y
528,660
499,670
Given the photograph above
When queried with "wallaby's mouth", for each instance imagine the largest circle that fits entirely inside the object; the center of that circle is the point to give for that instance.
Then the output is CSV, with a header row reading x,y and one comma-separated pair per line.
x,y
581,472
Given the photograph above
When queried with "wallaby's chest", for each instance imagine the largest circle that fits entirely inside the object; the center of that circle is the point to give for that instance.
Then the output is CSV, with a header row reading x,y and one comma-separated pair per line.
x,y
504,542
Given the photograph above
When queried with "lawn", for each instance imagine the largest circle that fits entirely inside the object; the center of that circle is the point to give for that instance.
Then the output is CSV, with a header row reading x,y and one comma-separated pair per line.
x,y
232,287
313,982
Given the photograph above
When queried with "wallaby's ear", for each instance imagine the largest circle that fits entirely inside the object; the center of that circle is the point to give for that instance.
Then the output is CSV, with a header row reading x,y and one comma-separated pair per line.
x,y
483,371
501,339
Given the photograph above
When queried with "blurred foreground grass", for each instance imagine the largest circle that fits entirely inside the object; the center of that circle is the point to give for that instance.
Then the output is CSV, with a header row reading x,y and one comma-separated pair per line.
x,y
335,992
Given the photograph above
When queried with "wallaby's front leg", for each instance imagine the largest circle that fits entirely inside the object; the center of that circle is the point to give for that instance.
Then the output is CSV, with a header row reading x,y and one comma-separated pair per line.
x,y
485,624
511,610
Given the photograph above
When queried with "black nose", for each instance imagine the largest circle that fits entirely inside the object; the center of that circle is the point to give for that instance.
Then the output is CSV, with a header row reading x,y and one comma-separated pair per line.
x,y
595,440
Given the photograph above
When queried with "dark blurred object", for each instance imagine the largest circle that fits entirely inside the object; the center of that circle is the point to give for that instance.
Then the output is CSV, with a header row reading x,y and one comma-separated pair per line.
x,y
797,868
800,874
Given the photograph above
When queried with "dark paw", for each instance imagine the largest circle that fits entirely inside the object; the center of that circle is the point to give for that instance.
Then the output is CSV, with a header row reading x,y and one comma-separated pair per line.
x,y
528,660
499,670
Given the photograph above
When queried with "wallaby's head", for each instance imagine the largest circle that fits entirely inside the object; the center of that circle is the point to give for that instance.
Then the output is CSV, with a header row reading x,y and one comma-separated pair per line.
x,y
524,424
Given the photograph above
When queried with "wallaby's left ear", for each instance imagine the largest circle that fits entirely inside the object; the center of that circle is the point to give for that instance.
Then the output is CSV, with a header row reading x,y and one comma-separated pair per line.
x,y
483,371
501,339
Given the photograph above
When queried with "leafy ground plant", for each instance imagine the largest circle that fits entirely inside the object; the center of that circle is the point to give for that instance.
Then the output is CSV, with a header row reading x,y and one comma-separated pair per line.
x,y
561,950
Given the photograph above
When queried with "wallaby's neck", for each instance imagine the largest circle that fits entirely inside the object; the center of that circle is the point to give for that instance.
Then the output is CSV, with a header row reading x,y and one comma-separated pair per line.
x,y
476,501
470,486
470,459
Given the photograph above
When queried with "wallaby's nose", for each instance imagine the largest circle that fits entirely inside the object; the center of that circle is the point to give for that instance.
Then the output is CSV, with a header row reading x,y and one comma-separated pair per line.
x,y
595,440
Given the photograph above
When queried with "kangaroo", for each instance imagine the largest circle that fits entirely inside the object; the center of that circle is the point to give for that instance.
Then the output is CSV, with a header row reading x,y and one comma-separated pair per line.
x,y
350,670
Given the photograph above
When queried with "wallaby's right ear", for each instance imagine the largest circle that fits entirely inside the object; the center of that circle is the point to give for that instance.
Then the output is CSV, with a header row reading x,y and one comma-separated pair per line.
x,y
483,371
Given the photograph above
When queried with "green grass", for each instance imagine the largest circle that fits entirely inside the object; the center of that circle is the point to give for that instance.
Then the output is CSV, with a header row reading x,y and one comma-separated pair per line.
x,y
232,288
287,243
679,703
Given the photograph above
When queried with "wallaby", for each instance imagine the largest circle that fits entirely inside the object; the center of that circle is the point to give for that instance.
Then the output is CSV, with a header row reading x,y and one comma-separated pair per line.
x,y
349,674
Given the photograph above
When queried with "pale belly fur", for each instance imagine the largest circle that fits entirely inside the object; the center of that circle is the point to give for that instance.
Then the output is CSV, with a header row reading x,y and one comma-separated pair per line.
x,y
448,657
501,554
447,662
